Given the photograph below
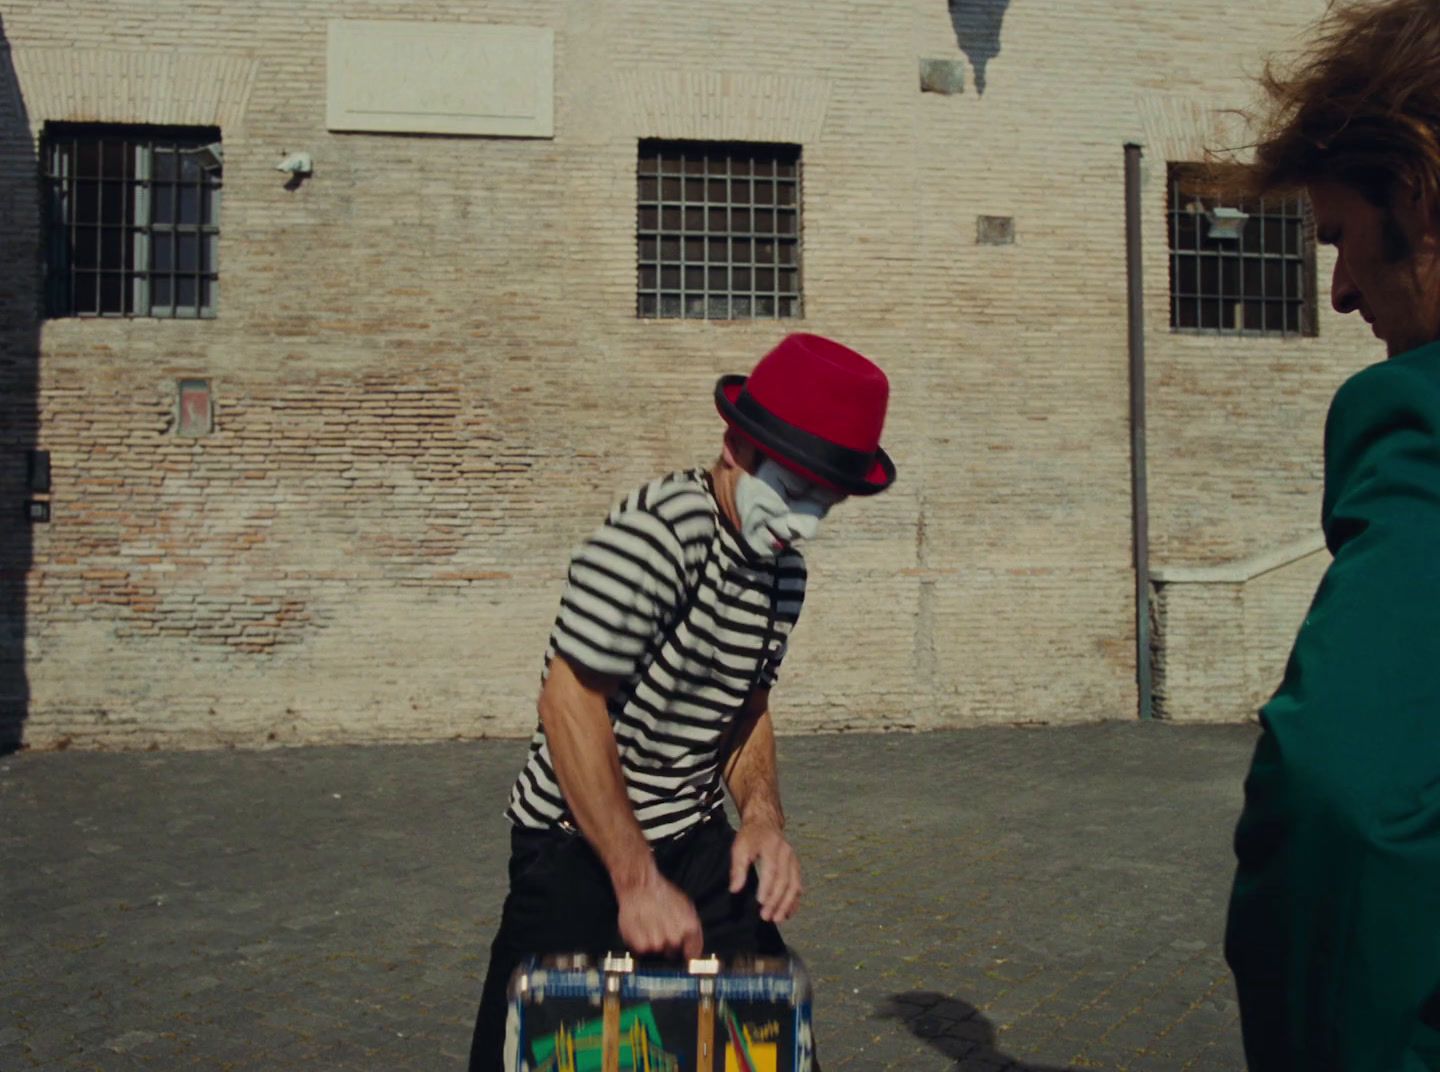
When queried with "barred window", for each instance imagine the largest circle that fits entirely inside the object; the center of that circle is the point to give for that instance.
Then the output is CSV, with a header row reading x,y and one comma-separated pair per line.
x,y
718,229
1238,266
132,220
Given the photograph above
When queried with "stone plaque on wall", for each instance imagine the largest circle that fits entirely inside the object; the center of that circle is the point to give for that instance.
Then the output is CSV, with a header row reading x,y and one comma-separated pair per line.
x,y
440,78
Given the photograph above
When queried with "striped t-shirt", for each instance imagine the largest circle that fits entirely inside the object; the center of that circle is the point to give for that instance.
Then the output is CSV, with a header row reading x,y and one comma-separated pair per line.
x,y
666,598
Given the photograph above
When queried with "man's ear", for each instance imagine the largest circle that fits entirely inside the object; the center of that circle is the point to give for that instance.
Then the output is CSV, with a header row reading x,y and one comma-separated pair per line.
x,y
738,451
727,450
1427,204
1422,220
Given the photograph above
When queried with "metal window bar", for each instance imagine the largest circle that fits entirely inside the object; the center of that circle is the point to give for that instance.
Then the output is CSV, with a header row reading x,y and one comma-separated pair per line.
x,y
1262,283
113,224
58,167
140,235
708,245
1309,311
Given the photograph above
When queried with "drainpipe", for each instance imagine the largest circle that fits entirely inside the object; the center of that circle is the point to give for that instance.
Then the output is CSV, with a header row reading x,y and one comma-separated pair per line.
x,y
1140,513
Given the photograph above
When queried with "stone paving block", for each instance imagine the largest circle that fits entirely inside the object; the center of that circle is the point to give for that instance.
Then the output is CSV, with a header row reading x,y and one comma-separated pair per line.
x,y
990,899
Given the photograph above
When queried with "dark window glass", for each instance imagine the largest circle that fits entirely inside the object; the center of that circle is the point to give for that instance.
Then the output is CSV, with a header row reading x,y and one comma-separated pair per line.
x,y
132,220
717,209
1238,264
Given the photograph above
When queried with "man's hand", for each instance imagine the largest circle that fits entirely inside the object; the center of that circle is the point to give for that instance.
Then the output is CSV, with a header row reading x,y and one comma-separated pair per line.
x,y
763,844
655,917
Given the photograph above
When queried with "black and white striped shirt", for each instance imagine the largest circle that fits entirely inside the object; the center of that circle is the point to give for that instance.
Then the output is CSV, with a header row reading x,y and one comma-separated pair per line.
x,y
665,597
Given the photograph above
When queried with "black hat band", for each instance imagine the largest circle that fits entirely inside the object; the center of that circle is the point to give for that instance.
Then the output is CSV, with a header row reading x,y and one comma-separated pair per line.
x,y
844,465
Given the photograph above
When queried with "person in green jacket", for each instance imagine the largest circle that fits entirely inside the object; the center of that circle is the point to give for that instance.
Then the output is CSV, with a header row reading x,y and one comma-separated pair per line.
x,y
1334,924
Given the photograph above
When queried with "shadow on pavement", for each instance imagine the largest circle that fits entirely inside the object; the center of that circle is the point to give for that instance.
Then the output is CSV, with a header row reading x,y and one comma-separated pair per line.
x,y
956,1029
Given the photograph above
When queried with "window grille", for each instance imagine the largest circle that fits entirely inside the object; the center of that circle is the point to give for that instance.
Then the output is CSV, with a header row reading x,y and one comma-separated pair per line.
x,y
718,230
133,218
1238,265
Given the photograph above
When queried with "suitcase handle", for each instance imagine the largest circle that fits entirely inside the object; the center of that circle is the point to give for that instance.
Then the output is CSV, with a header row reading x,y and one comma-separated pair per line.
x,y
616,965
625,963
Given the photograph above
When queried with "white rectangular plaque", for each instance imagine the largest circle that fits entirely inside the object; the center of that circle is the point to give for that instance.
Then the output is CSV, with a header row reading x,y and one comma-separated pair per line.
x,y
440,78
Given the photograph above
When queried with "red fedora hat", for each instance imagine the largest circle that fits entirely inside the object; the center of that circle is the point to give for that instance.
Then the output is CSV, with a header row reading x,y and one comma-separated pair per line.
x,y
817,408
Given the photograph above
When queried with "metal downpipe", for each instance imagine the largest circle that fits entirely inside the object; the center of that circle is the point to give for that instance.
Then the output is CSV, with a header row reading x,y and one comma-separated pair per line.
x,y
1140,505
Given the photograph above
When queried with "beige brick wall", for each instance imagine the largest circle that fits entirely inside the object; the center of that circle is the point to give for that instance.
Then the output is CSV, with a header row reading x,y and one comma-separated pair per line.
x,y
1227,630
430,381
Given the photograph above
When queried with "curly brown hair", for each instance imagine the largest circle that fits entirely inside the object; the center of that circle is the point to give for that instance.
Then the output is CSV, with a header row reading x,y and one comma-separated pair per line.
x,y
1360,105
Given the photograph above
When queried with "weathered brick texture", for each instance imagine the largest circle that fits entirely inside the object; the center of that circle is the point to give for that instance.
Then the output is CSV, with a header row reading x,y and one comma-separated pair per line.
x,y
1225,631
429,380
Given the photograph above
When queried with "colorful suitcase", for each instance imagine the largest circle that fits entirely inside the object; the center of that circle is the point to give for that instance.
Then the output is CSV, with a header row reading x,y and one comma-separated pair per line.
x,y
569,1015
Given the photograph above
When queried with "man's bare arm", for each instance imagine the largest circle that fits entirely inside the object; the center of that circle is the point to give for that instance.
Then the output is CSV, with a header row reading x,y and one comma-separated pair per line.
x,y
753,779
750,770
654,915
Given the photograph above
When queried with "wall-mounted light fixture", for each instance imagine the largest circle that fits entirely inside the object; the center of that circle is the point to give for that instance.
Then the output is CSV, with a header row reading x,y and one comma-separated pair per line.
x,y
298,164
1226,224
210,157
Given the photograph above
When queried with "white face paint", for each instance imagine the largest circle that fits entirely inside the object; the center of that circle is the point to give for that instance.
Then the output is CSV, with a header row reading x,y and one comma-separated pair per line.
x,y
778,508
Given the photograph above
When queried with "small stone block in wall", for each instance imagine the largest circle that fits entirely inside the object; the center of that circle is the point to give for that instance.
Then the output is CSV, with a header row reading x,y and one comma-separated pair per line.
x,y
942,76
995,230
196,415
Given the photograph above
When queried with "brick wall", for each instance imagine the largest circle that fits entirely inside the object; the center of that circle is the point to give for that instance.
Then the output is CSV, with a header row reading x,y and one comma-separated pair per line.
x,y
1226,630
430,382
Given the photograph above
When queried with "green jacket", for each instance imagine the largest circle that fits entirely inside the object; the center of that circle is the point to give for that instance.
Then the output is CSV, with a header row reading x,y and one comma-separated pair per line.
x,y
1334,928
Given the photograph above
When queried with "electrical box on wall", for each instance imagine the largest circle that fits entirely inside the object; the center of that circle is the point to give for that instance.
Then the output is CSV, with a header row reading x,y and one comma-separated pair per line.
x,y
37,481
38,476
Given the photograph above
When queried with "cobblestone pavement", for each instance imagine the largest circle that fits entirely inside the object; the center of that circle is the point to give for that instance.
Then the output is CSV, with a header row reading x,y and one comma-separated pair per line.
x,y
1030,899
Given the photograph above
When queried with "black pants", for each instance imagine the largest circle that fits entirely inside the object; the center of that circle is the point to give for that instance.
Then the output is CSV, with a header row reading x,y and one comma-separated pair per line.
x,y
561,901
